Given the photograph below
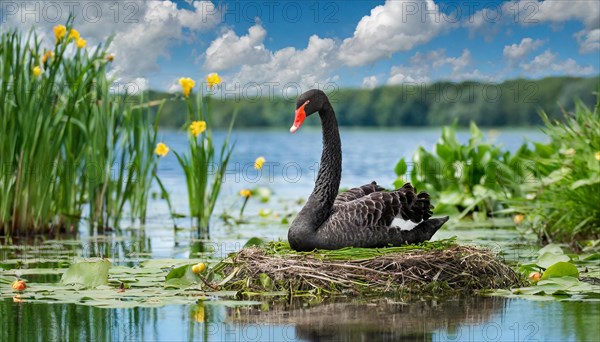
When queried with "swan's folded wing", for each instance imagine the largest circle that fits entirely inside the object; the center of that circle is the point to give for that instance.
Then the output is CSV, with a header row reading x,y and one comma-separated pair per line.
x,y
381,207
356,193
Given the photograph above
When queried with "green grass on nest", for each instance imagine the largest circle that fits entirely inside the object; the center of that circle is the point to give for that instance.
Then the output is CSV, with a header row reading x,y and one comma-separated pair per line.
x,y
426,268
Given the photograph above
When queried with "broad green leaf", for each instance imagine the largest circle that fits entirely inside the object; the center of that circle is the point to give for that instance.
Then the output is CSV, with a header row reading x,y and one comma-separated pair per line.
x,y
89,274
254,241
551,248
548,259
183,273
400,168
561,269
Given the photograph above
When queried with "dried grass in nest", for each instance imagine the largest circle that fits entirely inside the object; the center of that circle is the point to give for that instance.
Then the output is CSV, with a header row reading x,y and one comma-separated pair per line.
x,y
433,265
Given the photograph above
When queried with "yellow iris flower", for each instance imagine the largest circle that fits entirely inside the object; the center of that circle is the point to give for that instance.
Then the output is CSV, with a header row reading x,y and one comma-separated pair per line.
x,y
597,155
73,34
47,55
198,127
259,162
59,32
161,149
519,218
245,193
37,71
213,79
187,84
81,43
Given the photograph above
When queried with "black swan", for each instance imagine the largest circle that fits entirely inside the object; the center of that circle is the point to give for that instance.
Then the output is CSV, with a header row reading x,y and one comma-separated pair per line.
x,y
367,216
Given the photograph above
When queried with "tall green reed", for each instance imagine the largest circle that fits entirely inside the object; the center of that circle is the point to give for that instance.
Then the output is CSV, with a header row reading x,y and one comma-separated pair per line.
x,y
205,163
63,134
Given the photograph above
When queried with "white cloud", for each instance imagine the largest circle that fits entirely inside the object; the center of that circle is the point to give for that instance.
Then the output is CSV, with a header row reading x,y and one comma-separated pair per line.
x,y
402,74
559,11
547,62
144,30
229,50
588,41
423,67
292,68
398,25
531,12
369,82
516,52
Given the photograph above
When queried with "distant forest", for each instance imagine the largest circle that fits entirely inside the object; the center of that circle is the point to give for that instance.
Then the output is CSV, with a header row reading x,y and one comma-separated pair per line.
x,y
511,103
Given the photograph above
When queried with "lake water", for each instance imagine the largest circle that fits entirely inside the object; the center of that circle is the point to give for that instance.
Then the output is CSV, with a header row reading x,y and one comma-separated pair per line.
x,y
292,161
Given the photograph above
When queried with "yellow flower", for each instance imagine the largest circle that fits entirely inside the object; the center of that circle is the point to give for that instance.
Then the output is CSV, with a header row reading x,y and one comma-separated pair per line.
x,y
187,84
258,163
213,79
37,71
534,277
199,313
199,268
597,156
73,34
81,43
19,285
110,57
245,193
47,55
161,149
519,218
197,127
59,32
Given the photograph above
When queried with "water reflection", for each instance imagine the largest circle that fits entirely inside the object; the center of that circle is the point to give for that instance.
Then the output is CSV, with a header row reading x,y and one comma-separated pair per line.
x,y
459,319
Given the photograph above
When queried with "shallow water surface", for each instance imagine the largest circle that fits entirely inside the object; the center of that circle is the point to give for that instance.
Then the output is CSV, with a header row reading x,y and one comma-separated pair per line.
x,y
368,155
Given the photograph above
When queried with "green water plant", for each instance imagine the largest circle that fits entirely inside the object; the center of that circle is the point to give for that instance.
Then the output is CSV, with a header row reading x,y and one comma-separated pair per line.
x,y
473,179
205,163
562,205
65,134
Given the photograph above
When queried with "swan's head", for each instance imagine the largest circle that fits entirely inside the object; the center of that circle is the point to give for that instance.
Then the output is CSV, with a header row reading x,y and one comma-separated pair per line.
x,y
307,104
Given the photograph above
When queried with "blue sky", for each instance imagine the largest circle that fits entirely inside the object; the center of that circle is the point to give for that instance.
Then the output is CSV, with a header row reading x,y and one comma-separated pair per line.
x,y
347,44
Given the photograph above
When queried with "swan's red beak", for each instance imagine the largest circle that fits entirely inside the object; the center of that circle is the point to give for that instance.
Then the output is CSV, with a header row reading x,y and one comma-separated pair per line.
x,y
300,116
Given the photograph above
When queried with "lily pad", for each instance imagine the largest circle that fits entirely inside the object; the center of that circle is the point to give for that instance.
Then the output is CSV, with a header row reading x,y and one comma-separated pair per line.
x,y
88,274
561,269
548,259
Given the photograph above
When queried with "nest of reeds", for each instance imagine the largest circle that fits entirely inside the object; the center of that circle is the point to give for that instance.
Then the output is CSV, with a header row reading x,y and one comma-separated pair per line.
x,y
428,267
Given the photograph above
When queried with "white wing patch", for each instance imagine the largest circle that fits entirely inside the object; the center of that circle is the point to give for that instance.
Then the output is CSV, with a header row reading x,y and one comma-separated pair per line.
x,y
404,224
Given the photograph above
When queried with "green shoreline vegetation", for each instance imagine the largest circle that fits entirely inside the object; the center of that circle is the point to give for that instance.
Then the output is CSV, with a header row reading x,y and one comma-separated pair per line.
x,y
512,103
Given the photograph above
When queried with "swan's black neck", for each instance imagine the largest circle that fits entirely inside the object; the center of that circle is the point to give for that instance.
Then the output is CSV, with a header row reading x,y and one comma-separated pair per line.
x,y
327,185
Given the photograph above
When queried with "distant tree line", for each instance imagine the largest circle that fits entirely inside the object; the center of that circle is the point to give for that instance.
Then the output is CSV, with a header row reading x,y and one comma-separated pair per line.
x,y
511,103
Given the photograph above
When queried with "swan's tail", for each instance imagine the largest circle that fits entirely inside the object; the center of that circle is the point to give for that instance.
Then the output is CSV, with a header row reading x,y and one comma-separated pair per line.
x,y
422,232
416,207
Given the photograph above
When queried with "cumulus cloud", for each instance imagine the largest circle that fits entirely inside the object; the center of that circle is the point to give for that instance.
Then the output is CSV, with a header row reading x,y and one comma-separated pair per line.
x,y
398,25
369,82
292,69
547,62
230,51
143,30
422,67
531,12
588,41
516,52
